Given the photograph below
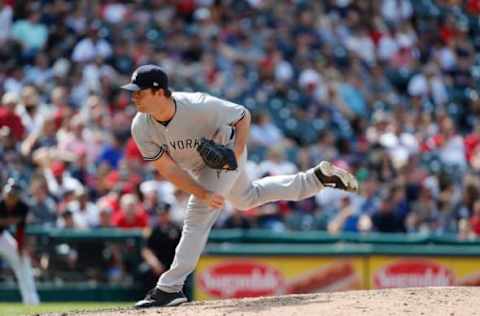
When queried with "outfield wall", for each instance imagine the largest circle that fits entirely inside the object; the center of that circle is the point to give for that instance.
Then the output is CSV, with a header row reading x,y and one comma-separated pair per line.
x,y
236,271
255,263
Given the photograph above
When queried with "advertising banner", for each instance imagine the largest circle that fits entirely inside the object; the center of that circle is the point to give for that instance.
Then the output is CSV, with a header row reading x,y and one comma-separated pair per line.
x,y
235,277
394,272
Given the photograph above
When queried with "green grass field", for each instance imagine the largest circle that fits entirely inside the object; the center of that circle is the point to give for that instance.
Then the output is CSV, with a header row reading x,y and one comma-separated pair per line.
x,y
15,309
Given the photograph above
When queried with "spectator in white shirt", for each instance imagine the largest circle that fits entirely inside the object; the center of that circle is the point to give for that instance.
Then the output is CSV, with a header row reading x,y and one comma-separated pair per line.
x,y
396,11
91,47
85,213
429,84
362,45
59,180
6,18
263,132
387,45
276,164
32,112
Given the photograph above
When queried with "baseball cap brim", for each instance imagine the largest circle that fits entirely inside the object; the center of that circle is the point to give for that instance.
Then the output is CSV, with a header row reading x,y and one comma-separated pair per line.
x,y
131,87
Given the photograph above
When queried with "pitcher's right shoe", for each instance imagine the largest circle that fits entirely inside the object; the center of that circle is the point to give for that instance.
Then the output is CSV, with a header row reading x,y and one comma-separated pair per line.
x,y
159,298
335,177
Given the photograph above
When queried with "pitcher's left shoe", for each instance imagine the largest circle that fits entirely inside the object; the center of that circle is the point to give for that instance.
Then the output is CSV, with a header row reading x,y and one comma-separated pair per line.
x,y
335,177
159,298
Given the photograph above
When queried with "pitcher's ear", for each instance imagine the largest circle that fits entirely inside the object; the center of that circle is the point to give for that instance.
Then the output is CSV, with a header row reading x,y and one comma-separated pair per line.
x,y
167,93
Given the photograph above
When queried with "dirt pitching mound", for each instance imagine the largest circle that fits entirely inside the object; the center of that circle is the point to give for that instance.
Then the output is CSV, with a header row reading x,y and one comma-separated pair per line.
x,y
411,301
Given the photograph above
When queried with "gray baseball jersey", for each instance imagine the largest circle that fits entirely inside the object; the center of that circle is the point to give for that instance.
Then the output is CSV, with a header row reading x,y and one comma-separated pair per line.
x,y
201,115
197,115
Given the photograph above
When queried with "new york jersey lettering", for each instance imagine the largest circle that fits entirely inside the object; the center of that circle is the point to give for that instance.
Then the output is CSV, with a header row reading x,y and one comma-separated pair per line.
x,y
182,144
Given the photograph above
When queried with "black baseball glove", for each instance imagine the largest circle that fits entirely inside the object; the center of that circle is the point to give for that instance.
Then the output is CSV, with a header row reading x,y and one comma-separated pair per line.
x,y
217,156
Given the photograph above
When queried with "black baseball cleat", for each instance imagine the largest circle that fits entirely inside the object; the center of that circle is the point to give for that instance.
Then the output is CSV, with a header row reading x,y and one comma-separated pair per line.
x,y
158,298
335,177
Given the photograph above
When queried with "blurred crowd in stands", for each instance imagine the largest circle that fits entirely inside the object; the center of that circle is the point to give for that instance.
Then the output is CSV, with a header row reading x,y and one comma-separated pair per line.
x,y
387,89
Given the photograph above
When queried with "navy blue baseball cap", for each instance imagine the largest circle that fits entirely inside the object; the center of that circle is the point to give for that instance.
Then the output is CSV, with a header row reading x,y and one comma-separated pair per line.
x,y
146,77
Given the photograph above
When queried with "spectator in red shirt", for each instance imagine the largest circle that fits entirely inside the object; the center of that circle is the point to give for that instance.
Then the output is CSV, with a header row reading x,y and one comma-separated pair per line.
x,y
475,219
62,111
448,30
473,7
472,142
9,118
132,215
132,152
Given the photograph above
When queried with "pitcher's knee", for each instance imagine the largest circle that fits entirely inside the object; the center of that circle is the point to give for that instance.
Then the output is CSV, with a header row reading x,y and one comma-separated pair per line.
x,y
246,201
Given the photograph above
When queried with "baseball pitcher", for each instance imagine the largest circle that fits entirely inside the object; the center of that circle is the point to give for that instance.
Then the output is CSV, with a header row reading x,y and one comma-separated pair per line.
x,y
13,211
197,142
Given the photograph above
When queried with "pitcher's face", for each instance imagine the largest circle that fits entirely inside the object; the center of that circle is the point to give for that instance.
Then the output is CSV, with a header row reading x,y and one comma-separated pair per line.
x,y
146,100
140,98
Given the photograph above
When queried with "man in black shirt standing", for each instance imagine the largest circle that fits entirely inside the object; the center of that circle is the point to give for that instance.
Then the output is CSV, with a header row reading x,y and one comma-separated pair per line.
x,y
13,211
